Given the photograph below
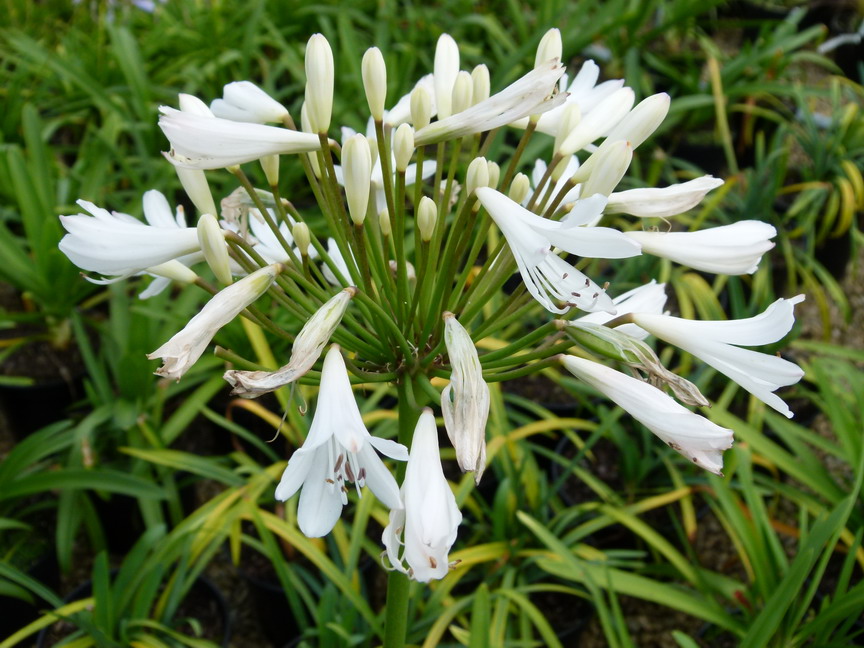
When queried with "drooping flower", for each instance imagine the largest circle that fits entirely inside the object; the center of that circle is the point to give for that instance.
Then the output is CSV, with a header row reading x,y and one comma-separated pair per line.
x,y
337,450
116,244
182,351
712,342
730,249
465,400
700,440
305,351
430,518
546,275
202,142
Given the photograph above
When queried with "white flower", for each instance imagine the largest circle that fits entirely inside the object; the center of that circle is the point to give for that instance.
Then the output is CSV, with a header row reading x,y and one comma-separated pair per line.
x,y
662,202
243,101
531,94
649,298
546,275
694,436
112,243
338,449
401,112
465,400
183,350
430,518
583,92
711,341
446,68
202,142
305,351
731,249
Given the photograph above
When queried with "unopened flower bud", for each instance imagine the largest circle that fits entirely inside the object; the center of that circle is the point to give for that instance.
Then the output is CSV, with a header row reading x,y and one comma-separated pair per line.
x,y
175,271
463,89
307,348
550,47
609,167
403,146
357,171
421,107
212,241
427,213
494,174
643,120
302,238
465,401
477,175
600,121
480,77
319,82
446,68
270,164
246,102
375,82
519,188
384,222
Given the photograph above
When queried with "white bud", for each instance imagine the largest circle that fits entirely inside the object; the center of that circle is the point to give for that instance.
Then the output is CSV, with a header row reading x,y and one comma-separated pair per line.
x,y
212,241
477,175
519,188
302,238
357,171
375,81
550,47
445,69
421,107
175,271
306,127
270,164
600,121
384,222
427,214
480,77
246,102
319,82
570,118
494,174
403,146
609,167
463,89
643,120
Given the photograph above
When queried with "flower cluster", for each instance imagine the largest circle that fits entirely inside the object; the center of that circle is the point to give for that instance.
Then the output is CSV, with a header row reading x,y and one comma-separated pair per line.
x,y
408,272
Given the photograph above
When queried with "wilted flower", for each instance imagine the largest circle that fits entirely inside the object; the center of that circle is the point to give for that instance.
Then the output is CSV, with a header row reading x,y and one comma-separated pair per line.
x,y
430,518
465,400
183,350
338,449
307,348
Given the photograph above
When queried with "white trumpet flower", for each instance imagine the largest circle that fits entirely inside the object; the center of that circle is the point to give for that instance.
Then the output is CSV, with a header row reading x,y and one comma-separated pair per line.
x,y
730,249
545,274
531,94
700,440
305,351
337,450
243,101
116,244
202,142
429,520
182,351
662,202
712,342
649,298
465,400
